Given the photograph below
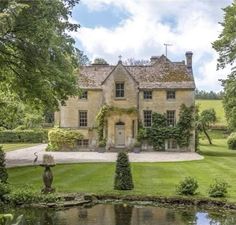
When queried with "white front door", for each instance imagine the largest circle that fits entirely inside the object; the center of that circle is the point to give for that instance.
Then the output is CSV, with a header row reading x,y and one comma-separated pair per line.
x,y
120,135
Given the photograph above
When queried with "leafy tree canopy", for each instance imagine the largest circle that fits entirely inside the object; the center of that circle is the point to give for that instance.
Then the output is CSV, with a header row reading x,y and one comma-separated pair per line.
x,y
229,100
37,56
83,59
16,114
226,47
99,61
226,44
206,118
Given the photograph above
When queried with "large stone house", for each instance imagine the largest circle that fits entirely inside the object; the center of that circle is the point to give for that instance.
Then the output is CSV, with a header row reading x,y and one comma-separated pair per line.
x,y
160,87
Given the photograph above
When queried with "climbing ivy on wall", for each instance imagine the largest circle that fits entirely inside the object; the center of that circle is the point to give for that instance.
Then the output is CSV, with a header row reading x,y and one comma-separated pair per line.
x,y
104,112
160,131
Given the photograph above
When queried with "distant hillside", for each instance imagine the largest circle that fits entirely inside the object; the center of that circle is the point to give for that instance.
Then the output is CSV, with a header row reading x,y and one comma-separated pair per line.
x,y
217,105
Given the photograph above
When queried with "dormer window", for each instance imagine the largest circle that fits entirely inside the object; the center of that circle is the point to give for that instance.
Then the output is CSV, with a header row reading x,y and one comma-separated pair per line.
x,y
120,90
147,94
170,95
84,95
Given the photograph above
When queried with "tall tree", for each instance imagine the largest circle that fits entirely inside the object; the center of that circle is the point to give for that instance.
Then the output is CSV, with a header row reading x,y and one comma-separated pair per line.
x,y
37,56
226,47
83,59
206,118
100,61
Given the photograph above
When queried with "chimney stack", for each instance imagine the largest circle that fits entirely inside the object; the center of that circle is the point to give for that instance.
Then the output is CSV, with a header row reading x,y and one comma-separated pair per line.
x,y
189,56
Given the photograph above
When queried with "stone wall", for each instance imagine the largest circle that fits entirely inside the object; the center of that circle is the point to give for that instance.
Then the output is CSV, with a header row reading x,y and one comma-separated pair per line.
x,y
69,114
131,90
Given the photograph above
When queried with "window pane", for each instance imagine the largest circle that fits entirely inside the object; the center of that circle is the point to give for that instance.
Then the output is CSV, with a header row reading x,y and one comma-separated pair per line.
x,y
120,90
83,119
170,116
147,94
147,118
170,94
84,95
83,143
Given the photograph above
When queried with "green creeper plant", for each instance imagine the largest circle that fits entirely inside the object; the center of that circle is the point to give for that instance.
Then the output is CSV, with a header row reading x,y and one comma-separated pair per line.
x,y
3,170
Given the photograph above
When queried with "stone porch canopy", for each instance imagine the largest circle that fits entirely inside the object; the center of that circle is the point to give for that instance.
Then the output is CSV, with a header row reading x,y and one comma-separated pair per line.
x,y
161,73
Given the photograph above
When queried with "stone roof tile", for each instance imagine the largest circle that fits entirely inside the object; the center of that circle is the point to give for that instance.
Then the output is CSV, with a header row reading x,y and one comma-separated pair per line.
x,y
161,74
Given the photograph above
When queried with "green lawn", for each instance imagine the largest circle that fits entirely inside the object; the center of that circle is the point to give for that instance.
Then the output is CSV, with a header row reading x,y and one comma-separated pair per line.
x,y
149,178
217,105
15,146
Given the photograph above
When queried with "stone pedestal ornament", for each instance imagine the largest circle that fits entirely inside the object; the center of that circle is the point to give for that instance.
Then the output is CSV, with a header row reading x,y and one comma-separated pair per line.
x,y
48,162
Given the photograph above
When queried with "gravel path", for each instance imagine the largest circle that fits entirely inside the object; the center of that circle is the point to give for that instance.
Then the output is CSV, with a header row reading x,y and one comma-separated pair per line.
x,y
23,157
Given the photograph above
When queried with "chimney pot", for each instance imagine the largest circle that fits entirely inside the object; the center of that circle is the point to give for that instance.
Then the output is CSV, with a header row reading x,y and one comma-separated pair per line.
x,y
189,56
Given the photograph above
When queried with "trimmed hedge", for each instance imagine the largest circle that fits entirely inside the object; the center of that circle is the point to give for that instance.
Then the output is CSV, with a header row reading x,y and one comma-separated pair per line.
x,y
32,136
232,141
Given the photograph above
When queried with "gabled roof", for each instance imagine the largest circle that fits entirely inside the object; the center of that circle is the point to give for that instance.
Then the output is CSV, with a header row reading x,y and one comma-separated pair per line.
x,y
128,72
162,73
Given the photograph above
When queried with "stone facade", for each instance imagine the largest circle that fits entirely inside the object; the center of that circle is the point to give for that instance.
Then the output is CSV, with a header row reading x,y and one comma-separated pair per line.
x,y
123,87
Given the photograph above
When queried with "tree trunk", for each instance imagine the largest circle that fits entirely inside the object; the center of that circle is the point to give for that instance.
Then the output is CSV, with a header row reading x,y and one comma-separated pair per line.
x,y
207,135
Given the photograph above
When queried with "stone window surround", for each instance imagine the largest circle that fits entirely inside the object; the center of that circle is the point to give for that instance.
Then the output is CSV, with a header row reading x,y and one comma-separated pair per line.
x,y
84,143
83,118
170,95
171,117
171,144
147,95
120,92
147,118
84,95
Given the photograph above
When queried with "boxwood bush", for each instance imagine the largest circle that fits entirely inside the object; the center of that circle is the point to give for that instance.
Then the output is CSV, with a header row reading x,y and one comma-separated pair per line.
x,y
188,186
63,139
30,136
232,141
218,189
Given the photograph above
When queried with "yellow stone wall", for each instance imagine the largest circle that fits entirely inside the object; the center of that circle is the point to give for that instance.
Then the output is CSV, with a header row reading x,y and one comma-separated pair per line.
x,y
160,104
68,115
127,120
131,92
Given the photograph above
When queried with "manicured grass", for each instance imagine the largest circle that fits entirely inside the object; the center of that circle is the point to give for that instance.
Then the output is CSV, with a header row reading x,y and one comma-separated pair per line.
x,y
149,178
14,146
215,104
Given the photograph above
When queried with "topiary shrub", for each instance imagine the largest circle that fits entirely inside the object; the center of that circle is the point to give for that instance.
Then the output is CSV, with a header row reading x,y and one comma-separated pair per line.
x,y
123,175
188,186
60,139
3,170
231,141
218,189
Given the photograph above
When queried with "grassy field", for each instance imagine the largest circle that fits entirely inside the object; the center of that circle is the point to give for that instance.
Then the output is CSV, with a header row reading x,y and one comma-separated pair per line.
x,y
149,178
217,105
14,146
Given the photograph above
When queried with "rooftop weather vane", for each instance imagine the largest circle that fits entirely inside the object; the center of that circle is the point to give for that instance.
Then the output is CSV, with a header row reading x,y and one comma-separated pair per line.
x,y
166,45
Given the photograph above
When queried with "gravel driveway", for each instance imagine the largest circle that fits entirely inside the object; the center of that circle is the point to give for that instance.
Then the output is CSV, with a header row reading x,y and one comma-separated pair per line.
x,y
23,157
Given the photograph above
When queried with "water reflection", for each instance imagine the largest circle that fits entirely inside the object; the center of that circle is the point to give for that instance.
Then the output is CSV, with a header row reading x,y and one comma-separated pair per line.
x,y
123,214
107,214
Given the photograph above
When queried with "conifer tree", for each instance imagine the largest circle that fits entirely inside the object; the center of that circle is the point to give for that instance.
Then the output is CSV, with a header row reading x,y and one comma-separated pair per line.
x,y
123,175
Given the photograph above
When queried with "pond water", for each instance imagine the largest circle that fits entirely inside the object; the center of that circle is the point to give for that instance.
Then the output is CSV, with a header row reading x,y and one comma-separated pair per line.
x,y
122,214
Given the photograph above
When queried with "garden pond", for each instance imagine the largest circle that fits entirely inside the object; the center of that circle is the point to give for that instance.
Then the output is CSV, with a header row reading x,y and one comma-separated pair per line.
x,y
124,214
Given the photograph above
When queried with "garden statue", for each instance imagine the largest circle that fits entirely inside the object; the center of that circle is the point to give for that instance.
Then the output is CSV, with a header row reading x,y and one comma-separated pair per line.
x,y
48,162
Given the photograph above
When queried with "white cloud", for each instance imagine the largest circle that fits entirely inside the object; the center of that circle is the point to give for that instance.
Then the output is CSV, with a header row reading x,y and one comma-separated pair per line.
x,y
187,24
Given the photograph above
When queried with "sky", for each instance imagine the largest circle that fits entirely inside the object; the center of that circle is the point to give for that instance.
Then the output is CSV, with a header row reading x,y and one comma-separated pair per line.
x,y
139,28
